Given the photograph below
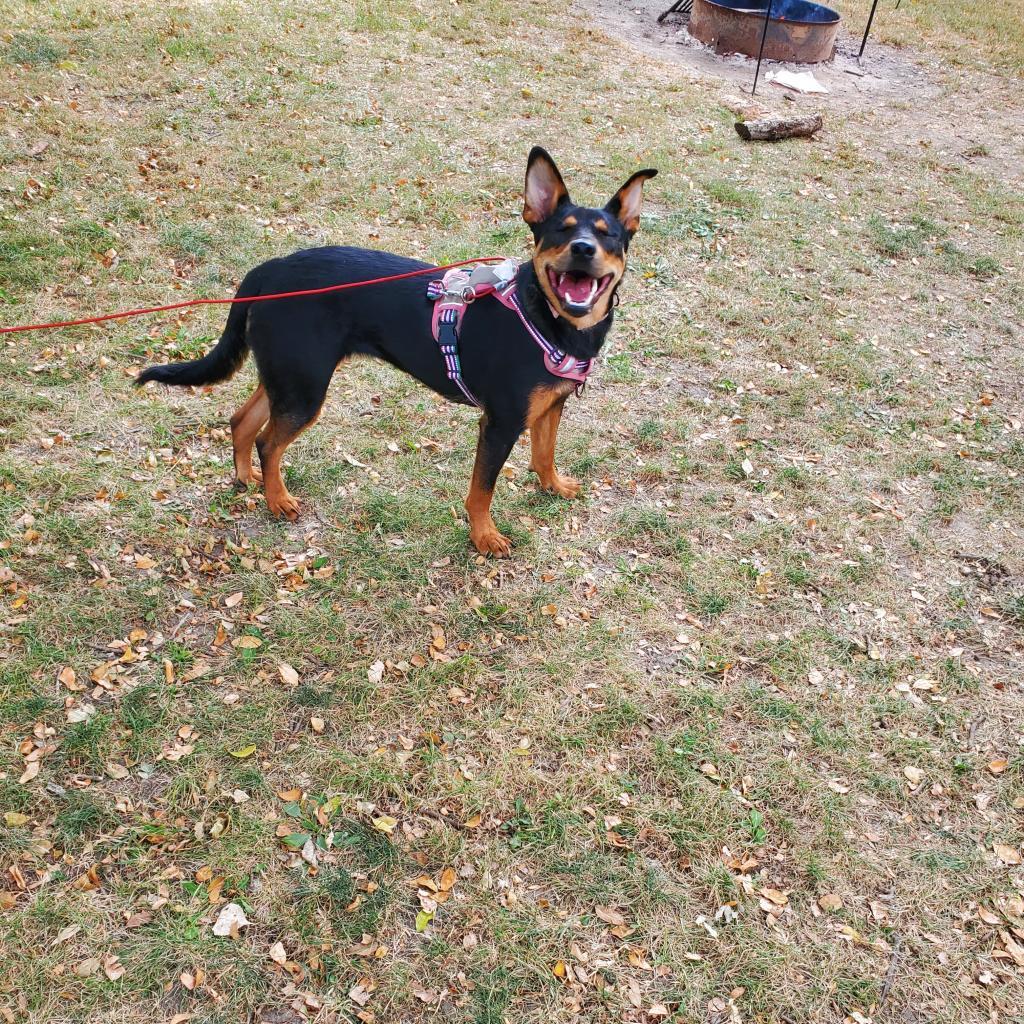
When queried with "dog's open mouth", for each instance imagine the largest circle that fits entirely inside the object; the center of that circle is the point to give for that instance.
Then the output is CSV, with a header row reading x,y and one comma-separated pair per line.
x,y
577,292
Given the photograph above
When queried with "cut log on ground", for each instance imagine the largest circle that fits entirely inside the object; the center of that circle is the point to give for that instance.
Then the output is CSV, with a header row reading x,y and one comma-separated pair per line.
x,y
772,129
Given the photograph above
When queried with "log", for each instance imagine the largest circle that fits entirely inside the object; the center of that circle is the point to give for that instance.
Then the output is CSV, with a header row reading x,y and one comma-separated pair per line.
x,y
772,129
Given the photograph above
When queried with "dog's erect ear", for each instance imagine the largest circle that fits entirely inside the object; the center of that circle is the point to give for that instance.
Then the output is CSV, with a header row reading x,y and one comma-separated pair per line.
x,y
545,191
625,204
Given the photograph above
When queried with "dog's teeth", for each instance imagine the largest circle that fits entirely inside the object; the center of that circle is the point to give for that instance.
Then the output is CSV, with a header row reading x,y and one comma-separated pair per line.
x,y
593,288
561,280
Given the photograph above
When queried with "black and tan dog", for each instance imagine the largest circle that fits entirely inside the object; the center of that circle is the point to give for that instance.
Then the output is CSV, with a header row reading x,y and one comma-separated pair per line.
x,y
567,291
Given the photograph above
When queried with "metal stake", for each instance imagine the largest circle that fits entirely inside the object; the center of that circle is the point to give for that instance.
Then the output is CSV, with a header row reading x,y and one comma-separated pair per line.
x,y
871,18
760,52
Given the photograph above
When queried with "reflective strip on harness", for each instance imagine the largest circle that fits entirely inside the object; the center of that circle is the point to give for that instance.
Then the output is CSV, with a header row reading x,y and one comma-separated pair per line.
x,y
460,287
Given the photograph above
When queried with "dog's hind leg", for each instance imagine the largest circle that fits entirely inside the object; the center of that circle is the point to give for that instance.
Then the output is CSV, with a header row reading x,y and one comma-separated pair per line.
x,y
245,425
291,412
274,439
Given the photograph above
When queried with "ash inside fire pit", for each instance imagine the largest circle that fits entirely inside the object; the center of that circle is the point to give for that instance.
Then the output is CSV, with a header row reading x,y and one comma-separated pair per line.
x,y
798,30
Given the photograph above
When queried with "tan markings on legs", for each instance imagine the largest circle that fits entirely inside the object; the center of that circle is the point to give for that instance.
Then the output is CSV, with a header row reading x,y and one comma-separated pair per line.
x,y
483,533
543,418
490,457
245,425
271,444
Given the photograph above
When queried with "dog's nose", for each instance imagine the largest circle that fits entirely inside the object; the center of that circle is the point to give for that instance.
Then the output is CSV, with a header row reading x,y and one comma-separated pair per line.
x,y
581,247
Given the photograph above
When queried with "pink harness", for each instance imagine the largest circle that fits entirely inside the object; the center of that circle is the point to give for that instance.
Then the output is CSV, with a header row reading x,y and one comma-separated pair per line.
x,y
458,288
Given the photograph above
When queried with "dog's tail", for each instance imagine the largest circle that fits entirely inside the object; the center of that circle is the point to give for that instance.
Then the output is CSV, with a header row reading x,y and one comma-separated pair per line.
x,y
222,361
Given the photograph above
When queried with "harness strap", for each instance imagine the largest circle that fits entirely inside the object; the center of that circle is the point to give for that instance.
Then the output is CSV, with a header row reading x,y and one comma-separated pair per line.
x,y
458,288
557,362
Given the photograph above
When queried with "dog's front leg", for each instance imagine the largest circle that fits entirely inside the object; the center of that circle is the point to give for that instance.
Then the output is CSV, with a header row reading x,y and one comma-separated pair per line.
x,y
543,432
492,449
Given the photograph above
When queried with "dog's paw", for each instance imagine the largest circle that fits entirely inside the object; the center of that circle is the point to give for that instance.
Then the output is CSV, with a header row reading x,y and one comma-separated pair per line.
x,y
255,477
489,541
284,505
564,487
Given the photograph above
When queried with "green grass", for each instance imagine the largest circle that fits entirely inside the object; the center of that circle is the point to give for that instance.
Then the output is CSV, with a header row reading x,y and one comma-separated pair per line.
x,y
33,49
705,680
979,35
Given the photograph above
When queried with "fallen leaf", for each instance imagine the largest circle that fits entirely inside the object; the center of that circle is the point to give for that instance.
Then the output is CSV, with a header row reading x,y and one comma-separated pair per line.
x,y
359,994
87,967
423,918
277,953
1014,949
31,771
178,751
375,673
243,752
385,823
914,774
1007,854
66,933
82,713
230,920
308,852
609,915
214,888
13,819
780,899
247,642
288,674
68,677
112,967
998,766
829,902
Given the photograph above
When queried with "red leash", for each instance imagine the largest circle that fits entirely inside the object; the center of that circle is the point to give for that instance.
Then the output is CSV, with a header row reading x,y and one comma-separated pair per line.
x,y
250,298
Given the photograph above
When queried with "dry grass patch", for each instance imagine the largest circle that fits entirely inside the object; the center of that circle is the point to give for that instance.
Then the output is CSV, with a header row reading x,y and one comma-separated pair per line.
x,y
736,737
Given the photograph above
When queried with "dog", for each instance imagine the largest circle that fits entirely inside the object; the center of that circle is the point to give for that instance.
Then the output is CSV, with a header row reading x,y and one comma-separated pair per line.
x,y
567,292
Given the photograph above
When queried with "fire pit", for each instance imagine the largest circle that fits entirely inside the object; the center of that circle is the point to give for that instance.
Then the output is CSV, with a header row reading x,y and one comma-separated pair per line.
x,y
798,30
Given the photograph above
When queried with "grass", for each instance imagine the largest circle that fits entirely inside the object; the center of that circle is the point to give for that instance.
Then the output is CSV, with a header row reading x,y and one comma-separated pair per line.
x,y
714,738
978,35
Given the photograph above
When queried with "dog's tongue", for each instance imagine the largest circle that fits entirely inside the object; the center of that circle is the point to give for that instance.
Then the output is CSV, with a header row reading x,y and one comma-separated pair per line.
x,y
576,288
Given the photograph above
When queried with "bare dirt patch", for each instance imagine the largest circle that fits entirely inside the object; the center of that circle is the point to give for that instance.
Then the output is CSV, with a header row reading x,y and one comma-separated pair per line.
x,y
907,100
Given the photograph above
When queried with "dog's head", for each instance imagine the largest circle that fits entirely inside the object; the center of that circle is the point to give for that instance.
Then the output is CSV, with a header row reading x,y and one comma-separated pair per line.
x,y
579,253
